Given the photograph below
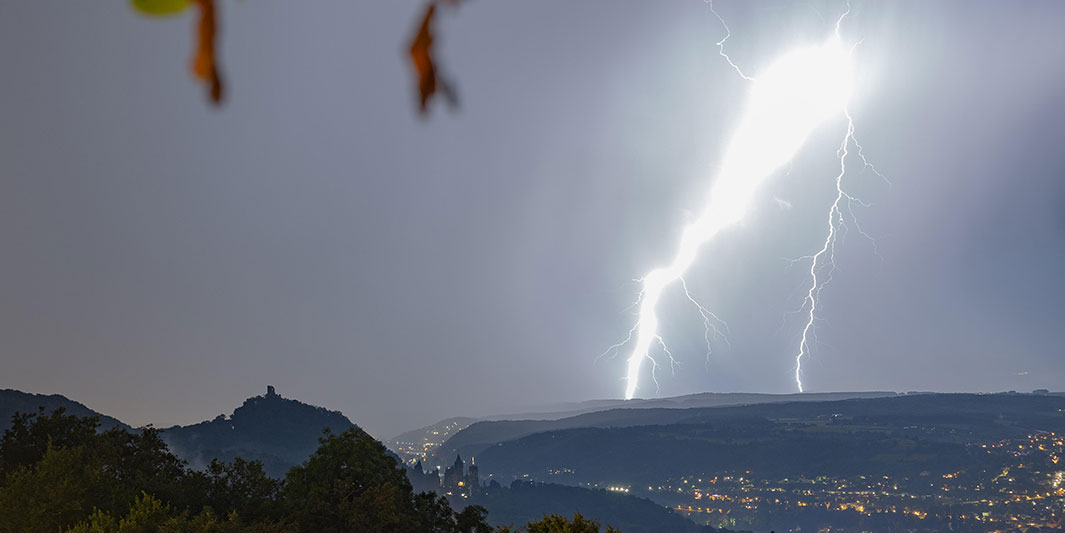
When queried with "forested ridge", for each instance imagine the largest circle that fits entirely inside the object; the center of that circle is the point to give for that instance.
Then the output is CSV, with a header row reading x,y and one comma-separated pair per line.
x,y
63,472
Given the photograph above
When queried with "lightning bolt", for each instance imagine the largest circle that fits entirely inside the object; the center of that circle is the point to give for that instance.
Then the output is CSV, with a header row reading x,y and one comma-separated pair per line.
x,y
825,258
710,323
786,103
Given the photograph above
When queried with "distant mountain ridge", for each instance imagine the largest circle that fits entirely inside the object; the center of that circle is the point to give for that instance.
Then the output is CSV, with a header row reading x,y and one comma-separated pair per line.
x,y
15,401
903,435
699,399
488,431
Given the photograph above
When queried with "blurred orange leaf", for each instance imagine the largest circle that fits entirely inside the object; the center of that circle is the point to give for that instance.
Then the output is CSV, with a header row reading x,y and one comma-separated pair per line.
x,y
204,60
421,55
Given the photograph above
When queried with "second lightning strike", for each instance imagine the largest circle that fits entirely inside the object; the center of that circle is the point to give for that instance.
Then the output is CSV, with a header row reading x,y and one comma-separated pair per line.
x,y
785,104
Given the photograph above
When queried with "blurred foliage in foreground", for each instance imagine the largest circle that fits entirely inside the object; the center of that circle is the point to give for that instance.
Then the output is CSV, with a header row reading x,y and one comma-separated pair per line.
x,y
205,56
58,472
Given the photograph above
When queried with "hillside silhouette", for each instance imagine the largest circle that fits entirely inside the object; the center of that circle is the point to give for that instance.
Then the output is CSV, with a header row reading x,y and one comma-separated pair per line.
x,y
279,432
14,401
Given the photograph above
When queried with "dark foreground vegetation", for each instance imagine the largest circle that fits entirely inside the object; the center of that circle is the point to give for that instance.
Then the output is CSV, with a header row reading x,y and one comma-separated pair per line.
x,y
60,472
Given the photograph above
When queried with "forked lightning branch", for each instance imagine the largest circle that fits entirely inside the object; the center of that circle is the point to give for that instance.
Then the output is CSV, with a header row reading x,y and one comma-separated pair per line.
x,y
786,102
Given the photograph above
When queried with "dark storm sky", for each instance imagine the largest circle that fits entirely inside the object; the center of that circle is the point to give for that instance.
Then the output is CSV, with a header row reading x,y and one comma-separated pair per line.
x,y
160,260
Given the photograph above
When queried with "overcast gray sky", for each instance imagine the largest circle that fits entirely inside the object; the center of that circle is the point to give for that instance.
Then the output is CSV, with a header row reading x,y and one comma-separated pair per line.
x,y
161,260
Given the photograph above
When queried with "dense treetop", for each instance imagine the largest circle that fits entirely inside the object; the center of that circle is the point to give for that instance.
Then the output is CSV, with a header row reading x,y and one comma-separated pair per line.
x,y
60,472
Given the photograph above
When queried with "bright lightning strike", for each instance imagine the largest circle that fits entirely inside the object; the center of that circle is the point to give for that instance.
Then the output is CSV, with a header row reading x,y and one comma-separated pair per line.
x,y
786,103
826,256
